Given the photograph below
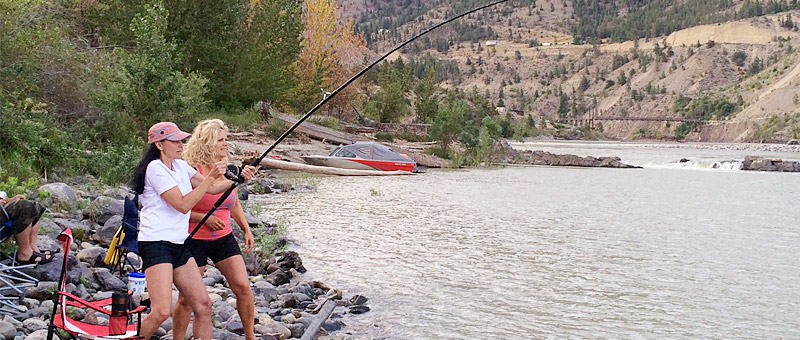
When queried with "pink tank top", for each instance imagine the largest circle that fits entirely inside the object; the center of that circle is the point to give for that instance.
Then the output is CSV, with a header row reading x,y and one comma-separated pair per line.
x,y
223,212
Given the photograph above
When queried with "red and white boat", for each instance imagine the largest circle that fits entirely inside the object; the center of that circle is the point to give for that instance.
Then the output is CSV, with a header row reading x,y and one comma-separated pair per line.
x,y
364,156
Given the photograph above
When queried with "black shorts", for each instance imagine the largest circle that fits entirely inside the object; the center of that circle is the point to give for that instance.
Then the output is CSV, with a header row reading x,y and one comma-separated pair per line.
x,y
216,250
23,213
157,252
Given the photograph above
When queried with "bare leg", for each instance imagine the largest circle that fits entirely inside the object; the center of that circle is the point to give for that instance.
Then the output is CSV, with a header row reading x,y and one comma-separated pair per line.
x,y
182,314
25,248
190,284
159,286
235,272
34,234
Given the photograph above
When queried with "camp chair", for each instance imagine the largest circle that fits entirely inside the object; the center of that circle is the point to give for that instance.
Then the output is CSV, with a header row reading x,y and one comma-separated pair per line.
x,y
125,239
11,278
73,329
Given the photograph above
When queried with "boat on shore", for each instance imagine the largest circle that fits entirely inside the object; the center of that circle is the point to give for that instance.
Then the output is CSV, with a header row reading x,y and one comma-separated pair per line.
x,y
364,156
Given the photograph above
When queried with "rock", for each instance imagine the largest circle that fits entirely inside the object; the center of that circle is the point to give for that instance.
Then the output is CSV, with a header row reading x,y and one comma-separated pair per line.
x,y
104,207
296,329
332,325
224,311
359,309
167,324
34,324
84,225
358,300
107,281
268,293
42,291
244,193
288,318
252,220
290,260
94,256
7,330
300,297
234,325
161,332
756,163
37,335
47,304
215,298
105,232
49,229
304,288
792,142
61,195
266,325
278,278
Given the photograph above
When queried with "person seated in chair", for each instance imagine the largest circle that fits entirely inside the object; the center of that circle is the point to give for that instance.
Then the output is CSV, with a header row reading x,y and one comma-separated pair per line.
x,y
22,216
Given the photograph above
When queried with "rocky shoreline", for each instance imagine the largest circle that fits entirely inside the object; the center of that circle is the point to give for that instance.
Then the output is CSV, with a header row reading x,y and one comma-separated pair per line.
x,y
504,153
286,301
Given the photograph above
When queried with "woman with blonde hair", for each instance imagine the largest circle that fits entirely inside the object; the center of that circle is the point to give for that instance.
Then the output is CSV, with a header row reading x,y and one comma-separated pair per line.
x,y
214,240
169,188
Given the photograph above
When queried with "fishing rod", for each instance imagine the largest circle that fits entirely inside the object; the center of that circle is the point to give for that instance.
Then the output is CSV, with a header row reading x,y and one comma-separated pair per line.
x,y
233,172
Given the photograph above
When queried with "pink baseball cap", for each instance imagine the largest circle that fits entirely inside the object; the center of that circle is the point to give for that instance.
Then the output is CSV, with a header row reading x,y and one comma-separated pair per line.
x,y
165,130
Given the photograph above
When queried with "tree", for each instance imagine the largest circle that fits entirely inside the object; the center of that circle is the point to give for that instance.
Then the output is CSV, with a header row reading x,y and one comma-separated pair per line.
x,y
426,103
330,54
563,104
448,122
269,45
738,58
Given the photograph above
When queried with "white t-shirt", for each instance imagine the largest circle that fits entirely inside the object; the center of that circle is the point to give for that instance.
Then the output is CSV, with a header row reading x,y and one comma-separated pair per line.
x,y
159,220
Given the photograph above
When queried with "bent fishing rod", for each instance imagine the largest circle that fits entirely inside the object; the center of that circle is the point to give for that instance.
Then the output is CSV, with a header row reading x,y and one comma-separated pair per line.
x,y
233,172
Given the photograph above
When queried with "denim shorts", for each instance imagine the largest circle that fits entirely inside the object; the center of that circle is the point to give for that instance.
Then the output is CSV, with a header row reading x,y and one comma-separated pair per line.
x,y
157,252
216,250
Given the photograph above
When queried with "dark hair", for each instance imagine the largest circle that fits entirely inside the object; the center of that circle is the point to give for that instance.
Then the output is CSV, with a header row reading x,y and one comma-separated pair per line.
x,y
137,182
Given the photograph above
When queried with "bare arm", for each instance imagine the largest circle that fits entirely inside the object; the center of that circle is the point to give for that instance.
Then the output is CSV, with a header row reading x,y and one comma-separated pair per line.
x,y
237,213
185,203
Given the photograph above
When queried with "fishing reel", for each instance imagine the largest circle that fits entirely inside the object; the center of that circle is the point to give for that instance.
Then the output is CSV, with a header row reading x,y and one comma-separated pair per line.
x,y
234,174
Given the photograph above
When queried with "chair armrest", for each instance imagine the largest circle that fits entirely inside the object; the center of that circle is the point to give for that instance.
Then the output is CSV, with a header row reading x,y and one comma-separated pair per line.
x,y
137,310
78,302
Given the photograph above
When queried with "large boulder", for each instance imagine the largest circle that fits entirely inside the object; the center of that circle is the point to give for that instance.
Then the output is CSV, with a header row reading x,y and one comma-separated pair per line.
x,y
94,256
61,195
107,281
756,163
104,207
7,330
79,228
104,233
51,271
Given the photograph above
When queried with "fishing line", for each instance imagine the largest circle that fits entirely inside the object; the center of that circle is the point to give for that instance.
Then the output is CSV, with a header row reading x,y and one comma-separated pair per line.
x,y
233,172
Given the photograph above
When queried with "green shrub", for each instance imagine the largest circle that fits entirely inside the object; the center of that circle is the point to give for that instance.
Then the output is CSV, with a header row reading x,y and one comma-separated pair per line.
x,y
384,136
326,121
241,119
276,127
114,164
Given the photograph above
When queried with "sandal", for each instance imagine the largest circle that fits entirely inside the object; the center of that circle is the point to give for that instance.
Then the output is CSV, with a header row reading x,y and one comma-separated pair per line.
x,y
50,253
36,255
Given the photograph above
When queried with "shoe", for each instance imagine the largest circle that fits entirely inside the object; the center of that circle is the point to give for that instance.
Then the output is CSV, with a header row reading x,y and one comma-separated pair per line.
x,y
50,253
42,259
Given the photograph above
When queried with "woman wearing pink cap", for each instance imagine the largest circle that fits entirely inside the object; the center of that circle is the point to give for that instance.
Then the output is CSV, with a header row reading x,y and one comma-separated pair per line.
x,y
169,188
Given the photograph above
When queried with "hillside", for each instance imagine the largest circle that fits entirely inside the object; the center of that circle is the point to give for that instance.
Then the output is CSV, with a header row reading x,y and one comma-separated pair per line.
x,y
741,75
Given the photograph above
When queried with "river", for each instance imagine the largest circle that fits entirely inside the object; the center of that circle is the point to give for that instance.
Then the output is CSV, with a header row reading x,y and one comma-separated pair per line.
x,y
551,253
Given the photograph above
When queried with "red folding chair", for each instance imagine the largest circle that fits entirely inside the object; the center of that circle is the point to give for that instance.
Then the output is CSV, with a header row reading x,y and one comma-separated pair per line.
x,y
64,327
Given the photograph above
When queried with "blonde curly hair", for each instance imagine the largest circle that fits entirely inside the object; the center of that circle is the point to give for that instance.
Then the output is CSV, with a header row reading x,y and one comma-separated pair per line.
x,y
199,150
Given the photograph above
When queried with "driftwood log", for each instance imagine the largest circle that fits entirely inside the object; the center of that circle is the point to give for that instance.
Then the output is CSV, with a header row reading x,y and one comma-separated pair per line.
x,y
326,170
